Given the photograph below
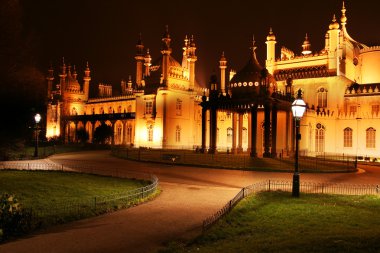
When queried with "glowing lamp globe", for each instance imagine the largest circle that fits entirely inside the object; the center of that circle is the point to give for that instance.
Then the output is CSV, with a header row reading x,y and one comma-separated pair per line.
x,y
298,106
37,118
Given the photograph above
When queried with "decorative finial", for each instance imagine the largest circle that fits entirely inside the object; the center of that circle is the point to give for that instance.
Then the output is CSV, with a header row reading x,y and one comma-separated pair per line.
x,y
253,48
343,19
166,35
271,36
222,57
334,25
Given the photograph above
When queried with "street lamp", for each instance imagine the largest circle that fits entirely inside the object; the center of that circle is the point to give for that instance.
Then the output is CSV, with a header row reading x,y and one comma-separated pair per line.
x,y
298,109
37,119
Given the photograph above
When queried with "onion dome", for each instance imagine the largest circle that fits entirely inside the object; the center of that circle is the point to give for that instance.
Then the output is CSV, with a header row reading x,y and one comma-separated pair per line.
x,y
306,46
334,25
271,36
252,81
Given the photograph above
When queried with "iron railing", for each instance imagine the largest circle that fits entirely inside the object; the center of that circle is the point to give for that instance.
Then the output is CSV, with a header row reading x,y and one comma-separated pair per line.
x,y
240,161
305,187
59,213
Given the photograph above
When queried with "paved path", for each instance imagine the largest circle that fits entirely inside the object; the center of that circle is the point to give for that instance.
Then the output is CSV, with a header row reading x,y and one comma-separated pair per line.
x,y
189,194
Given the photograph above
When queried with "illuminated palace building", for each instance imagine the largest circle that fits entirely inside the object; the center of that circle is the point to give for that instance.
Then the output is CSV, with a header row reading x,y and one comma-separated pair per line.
x,y
247,111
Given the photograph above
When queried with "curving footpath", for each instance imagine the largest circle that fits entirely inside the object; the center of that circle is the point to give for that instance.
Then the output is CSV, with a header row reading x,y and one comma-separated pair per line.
x,y
189,194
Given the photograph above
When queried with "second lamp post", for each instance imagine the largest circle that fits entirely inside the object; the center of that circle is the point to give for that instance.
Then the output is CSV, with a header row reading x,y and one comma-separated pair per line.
x,y
298,109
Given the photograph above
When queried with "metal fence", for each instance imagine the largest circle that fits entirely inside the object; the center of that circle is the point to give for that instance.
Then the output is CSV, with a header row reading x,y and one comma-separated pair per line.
x,y
305,187
240,161
69,210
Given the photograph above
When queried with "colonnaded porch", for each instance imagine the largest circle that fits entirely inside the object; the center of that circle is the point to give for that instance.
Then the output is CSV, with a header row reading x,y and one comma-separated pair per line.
x,y
122,124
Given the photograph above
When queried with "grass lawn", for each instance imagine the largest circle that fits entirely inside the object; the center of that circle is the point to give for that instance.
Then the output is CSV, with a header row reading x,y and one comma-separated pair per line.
x,y
57,197
276,222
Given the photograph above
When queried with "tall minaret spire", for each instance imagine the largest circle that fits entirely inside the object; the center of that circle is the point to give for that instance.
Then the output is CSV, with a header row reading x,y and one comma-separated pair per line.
x,y
50,79
86,81
223,66
166,52
139,57
192,58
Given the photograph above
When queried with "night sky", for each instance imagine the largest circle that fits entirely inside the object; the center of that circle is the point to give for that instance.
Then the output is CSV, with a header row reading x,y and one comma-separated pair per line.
x,y
105,32
35,33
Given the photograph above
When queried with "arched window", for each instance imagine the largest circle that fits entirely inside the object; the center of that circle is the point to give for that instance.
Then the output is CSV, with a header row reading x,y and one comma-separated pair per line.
x,y
320,138
322,98
101,110
371,137
110,110
245,135
178,134
347,137
119,109
129,133
129,108
150,133
74,111
119,137
229,135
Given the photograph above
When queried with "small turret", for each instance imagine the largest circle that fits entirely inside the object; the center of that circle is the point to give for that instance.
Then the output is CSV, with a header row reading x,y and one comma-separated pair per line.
x,y
271,50
75,74
334,25
166,40
185,52
147,63
306,46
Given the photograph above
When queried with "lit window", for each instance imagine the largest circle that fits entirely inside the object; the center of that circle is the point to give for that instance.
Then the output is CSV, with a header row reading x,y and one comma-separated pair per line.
x,y
370,138
353,109
347,138
178,134
101,110
375,109
129,133
148,107
245,135
119,109
74,111
110,110
229,135
322,98
178,107
129,109
320,138
150,133
119,136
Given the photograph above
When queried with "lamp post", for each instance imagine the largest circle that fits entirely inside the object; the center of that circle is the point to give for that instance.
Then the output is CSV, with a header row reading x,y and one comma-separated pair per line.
x,y
37,119
298,109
